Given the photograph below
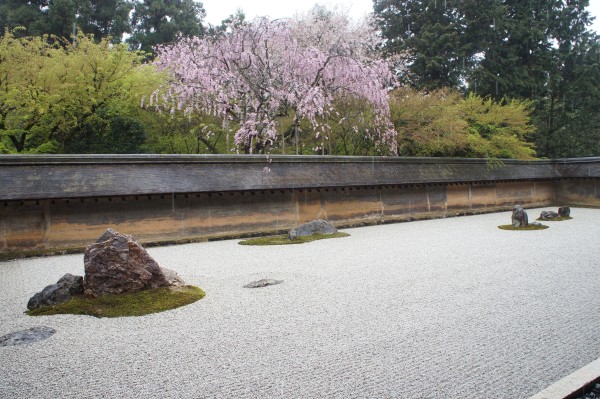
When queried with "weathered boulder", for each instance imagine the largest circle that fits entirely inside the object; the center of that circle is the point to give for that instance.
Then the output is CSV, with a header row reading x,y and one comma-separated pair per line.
x,y
117,264
65,288
265,282
318,226
519,217
549,215
564,211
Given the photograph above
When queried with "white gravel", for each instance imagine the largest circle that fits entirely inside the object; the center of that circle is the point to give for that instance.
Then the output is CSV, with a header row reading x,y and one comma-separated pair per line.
x,y
449,308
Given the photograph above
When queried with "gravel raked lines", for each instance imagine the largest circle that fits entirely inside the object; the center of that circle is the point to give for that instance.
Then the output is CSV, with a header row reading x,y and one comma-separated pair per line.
x,y
447,308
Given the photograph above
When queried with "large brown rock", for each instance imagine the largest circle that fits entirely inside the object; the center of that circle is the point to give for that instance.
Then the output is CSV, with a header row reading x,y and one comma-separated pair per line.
x,y
117,264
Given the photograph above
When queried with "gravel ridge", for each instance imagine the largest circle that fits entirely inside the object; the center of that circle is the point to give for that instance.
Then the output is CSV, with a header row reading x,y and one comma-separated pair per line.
x,y
445,308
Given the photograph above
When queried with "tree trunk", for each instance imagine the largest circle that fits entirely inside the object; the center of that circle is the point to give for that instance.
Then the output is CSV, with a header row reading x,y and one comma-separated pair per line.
x,y
19,143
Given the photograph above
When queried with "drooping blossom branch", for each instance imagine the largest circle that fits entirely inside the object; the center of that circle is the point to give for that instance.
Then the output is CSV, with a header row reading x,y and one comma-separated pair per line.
x,y
255,72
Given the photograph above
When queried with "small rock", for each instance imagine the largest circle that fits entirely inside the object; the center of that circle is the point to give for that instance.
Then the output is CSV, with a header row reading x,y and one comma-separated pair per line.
x,y
318,226
564,211
172,277
67,287
535,224
548,215
265,282
519,217
28,336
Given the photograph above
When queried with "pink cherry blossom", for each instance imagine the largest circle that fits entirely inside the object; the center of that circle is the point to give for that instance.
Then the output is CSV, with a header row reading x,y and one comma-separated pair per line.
x,y
254,72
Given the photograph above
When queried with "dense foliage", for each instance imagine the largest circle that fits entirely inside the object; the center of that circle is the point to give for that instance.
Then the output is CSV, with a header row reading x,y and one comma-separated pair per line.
x,y
444,123
539,50
156,22
60,97
493,78
61,17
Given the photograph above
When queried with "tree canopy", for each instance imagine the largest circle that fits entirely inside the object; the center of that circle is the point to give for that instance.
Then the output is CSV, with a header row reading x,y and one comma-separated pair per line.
x,y
313,84
106,18
537,50
57,96
444,123
157,22
255,72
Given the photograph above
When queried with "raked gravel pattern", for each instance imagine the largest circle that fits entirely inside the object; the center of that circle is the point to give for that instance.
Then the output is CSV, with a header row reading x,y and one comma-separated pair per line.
x,y
448,308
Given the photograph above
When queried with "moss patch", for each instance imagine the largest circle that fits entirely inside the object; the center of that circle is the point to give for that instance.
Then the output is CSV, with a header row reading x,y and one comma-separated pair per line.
x,y
529,227
558,219
283,239
137,304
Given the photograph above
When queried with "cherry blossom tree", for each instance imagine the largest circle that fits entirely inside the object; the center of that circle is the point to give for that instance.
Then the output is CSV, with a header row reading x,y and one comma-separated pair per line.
x,y
252,73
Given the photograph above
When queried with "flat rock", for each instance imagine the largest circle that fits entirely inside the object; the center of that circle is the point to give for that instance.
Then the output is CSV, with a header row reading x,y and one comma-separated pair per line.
x,y
117,264
549,215
265,282
318,226
28,336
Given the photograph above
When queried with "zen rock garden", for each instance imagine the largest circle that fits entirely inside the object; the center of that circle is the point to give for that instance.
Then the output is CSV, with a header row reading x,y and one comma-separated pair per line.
x,y
564,212
314,230
115,264
520,219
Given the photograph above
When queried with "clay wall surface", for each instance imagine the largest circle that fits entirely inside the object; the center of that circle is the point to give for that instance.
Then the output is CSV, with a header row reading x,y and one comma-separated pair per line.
x,y
63,202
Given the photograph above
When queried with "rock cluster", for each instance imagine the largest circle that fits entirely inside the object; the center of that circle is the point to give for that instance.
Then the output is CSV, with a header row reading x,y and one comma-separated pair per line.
x,y
114,264
563,211
318,226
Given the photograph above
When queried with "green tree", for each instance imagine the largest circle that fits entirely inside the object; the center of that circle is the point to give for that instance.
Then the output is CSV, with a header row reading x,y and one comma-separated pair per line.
x,y
177,133
29,14
161,21
443,123
55,96
102,18
426,33
539,50
568,115
25,88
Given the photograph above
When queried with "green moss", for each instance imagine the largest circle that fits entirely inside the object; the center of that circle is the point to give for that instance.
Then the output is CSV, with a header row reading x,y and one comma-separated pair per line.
x,y
529,227
558,219
283,239
137,304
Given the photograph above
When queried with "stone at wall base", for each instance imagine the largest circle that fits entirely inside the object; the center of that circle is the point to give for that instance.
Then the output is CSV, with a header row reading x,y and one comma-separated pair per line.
x,y
318,226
